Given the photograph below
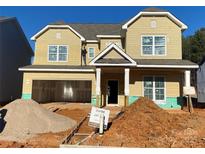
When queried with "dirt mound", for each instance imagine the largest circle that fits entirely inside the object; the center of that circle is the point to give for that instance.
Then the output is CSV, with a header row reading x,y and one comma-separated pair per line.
x,y
144,124
22,119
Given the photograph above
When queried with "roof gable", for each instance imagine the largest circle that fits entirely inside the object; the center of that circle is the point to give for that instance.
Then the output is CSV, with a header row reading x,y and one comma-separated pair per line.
x,y
155,13
56,26
104,58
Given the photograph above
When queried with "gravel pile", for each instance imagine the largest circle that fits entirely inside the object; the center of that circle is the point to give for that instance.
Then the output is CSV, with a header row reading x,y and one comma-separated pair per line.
x,y
22,119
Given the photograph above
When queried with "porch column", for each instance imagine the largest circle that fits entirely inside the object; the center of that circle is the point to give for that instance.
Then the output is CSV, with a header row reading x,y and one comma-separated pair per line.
x,y
126,85
98,89
187,78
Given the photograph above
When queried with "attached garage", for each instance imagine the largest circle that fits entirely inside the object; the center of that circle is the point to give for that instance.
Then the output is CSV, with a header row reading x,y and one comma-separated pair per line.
x,y
44,91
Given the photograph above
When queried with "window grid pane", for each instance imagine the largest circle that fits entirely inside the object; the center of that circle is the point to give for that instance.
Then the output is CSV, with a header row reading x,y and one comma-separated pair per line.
x,y
52,57
62,57
160,40
91,52
147,50
159,50
52,49
147,40
63,49
148,92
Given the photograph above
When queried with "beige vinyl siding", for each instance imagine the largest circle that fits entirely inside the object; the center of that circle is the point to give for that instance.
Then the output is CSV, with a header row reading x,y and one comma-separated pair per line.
x,y
173,81
113,54
30,76
96,50
164,27
49,38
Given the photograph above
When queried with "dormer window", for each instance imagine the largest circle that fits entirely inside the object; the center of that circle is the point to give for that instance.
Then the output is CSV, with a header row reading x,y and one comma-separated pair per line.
x,y
57,53
91,52
153,45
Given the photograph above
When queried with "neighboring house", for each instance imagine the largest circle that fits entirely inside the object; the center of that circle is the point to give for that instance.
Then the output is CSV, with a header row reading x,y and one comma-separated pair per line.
x,y
142,57
201,82
15,52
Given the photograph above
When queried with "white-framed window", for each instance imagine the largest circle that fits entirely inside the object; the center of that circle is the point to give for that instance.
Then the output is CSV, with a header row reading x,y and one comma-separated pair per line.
x,y
91,52
154,88
110,42
154,45
57,53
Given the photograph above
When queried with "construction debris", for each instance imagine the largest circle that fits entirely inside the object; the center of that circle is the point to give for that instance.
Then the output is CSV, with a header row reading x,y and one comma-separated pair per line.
x,y
23,119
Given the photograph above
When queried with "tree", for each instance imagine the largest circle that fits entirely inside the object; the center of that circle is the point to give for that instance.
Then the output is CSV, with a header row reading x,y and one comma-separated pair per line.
x,y
193,47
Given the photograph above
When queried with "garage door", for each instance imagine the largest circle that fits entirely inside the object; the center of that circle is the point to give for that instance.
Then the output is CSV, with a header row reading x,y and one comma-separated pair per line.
x,y
44,91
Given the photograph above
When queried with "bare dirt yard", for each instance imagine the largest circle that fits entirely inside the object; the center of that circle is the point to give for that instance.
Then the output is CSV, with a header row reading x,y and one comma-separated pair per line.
x,y
143,124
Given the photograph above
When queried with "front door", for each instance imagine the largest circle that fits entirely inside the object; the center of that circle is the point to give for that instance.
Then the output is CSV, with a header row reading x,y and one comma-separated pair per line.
x,y
112,92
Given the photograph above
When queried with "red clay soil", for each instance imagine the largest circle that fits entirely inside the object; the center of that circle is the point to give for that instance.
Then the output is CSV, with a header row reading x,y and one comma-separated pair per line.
x,y
47,140
144,124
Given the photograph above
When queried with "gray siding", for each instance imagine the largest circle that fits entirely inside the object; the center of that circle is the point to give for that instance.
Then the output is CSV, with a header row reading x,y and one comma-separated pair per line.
x,y
201,83
15,52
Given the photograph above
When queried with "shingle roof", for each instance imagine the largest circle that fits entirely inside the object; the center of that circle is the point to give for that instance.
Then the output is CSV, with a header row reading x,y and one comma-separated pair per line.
x,y
89,31
163,62
57,67
148,61
153,9
3,18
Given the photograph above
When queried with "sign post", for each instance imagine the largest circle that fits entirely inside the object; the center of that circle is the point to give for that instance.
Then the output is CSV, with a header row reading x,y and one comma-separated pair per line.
x,y
188,91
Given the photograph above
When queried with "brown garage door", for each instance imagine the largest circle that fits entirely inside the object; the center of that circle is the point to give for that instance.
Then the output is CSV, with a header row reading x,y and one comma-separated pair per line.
x,y
61,91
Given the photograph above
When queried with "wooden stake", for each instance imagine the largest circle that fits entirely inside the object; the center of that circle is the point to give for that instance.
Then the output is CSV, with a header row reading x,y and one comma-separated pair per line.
x,y
191,110
126,101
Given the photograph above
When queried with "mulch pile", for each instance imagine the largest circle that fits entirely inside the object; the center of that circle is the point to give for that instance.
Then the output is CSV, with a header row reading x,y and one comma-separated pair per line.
x,y
144,124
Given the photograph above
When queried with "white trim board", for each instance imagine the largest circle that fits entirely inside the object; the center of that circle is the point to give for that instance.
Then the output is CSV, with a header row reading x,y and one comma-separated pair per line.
x,y
33,38
92,41
56,70
108,36
177,21
119,50
168,66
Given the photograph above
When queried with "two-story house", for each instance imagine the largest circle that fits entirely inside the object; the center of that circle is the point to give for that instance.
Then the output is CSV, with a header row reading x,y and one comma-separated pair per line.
x,y
142,57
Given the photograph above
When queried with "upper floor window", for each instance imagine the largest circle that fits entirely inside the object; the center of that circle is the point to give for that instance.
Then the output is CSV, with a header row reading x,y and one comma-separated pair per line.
x,y
91,52
153,45
57,53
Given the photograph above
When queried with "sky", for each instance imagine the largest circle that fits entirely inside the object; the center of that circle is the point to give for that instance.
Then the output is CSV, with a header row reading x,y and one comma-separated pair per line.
x,y
33,19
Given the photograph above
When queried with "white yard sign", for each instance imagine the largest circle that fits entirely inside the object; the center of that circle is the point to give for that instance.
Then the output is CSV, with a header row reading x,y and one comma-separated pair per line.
x,y
94,120
189,90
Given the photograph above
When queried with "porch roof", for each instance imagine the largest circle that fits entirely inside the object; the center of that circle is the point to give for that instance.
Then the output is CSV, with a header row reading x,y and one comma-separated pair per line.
x,y
58,68
165,63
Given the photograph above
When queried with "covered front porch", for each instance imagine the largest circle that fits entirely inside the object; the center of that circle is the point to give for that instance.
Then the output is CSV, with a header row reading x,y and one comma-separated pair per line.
x,y
121,86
